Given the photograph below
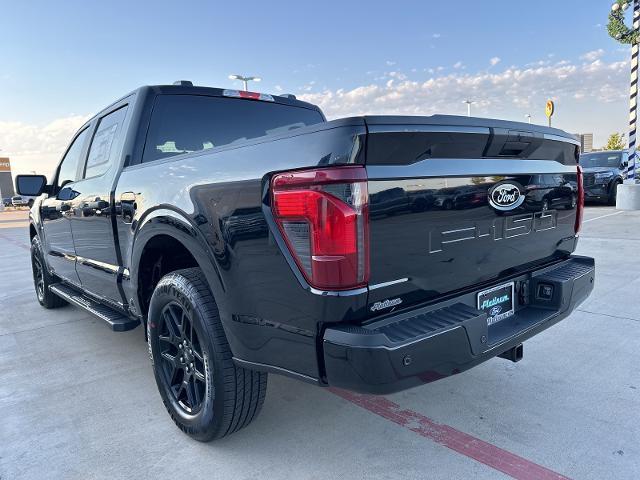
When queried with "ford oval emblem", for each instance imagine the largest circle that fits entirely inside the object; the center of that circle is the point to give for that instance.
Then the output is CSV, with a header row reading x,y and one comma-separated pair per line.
x,y
506,196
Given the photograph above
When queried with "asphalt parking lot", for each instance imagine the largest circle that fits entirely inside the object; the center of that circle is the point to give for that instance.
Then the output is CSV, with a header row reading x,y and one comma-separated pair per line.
x,y
78,401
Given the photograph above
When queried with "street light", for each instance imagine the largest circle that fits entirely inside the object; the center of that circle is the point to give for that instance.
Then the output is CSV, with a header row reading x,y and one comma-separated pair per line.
x,y
244,80
468,102
528,115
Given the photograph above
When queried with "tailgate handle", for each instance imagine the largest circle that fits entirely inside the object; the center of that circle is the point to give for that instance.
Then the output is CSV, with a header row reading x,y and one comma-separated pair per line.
x,y
513,143
513,149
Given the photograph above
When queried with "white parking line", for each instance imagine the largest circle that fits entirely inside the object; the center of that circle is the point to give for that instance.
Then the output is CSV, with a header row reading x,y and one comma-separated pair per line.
x,y
602,216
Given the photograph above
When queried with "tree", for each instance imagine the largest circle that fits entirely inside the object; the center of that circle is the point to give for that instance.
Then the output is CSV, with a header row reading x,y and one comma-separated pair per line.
x,y
615,142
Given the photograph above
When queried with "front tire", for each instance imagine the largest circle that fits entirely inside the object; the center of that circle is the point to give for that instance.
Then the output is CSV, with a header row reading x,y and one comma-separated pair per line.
x,y
614,192
42,279
205,393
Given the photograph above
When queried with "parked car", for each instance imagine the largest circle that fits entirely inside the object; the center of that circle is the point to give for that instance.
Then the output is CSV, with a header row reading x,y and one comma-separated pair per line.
x,y
236,228
461,197
603,172
7,202
20,201
551,191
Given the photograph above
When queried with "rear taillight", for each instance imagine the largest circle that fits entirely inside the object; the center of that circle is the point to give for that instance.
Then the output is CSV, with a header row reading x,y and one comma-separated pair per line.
x,y
580,201
323,215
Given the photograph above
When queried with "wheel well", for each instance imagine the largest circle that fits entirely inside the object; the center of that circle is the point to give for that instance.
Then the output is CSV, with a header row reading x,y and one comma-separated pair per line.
x,y
616,181
161,255
32,231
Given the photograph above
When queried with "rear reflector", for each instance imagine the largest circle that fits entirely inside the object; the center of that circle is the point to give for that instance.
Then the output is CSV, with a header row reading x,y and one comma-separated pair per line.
x,y
580,202
323,215
265,97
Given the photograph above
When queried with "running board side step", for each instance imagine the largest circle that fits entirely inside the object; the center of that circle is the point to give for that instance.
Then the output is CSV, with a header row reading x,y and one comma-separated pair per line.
x,y
116,320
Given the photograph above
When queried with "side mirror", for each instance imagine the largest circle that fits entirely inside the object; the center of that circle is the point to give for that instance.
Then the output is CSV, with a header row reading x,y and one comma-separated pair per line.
x,y
624,164
31,185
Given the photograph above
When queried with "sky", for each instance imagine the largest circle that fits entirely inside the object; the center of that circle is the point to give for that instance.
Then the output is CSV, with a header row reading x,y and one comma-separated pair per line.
x,y
61,62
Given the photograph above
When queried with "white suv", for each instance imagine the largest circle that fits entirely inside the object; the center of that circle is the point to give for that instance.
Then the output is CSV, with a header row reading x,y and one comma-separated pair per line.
x,y
20,201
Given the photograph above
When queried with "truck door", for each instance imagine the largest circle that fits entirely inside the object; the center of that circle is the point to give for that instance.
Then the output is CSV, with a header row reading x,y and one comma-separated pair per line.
x,y
98,264
56,211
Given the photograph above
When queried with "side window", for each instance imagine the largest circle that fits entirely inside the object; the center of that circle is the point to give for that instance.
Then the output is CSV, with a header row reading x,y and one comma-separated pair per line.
x,y
69,166
102,153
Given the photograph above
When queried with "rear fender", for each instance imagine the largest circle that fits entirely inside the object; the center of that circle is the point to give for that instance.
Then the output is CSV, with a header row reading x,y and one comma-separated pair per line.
x,y
175,224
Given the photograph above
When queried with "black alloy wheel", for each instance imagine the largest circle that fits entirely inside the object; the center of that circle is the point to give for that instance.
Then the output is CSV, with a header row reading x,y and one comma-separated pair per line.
x,y
182,358
38,277
42,278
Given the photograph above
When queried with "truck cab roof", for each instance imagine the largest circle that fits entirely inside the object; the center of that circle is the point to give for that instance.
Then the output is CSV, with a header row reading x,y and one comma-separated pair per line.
x,y
189,89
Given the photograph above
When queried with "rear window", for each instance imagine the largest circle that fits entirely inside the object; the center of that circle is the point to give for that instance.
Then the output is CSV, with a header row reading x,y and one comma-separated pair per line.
x,y
190,123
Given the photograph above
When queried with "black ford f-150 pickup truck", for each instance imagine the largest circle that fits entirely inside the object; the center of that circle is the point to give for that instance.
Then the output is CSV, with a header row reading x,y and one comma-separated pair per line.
x,y
249,235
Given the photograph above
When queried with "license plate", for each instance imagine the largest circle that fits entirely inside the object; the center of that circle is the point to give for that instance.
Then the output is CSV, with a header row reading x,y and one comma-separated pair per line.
x,y
497,303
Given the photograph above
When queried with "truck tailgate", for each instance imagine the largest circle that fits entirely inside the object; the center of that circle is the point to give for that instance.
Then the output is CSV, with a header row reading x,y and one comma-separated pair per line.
x,y
457,202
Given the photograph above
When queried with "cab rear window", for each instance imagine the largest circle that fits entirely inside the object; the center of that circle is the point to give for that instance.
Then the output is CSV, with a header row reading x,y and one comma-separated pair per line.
x,y
191,123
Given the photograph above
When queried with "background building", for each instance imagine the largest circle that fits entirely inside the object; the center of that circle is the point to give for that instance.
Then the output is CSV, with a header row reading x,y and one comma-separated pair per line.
x,y
6,180
586,142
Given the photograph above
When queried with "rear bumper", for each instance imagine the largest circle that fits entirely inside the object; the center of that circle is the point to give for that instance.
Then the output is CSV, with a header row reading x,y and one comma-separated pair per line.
x,y
434,342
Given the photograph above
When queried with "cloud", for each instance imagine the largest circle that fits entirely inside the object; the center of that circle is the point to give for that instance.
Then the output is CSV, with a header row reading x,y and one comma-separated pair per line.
x,y
593,55
458,65
497,93
390,63
494,61
37,147
590,85
436,35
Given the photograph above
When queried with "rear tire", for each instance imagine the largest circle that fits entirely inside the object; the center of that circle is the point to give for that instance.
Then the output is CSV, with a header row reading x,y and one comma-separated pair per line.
x,y
205,393
42,279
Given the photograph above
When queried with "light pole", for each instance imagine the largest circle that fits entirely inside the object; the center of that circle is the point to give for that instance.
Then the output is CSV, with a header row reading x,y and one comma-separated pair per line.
x,y
244,80
468,102
528,115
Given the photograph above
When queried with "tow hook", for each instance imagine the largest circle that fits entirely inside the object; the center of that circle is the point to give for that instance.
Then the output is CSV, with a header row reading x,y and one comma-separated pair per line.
x,y
514,353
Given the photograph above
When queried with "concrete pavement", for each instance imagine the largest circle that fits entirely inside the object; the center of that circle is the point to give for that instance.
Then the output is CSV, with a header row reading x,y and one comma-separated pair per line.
x,y
78,401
